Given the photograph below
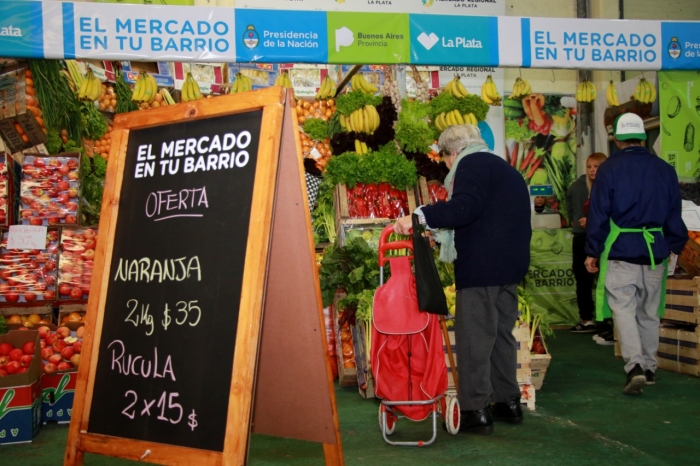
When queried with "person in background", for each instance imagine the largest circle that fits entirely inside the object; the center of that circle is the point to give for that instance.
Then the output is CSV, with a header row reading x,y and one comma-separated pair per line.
x,y
576,198
634,222
485,230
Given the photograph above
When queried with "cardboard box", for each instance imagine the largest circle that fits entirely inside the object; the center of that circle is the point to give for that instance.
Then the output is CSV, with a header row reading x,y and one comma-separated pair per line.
x,y
57,394
65,310
683,300
19,127
689,260
20,394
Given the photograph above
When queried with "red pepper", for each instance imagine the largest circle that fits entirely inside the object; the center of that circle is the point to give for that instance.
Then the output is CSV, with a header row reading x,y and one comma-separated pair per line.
x,y
361,208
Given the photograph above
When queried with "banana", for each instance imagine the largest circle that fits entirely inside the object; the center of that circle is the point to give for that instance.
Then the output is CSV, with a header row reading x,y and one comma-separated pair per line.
x,y
638,92
96,89
517,88
488,90
139,89
652,88
460,87
611,95
484,95
365,120
185,91
438,123
458,117
323,90
450,119
593,91
82,92
375,116
152,88
358,147
449,88
342,121
365,149
358,81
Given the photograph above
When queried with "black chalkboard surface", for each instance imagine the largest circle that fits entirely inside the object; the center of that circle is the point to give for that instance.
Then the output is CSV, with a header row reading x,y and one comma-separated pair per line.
x,y
167,343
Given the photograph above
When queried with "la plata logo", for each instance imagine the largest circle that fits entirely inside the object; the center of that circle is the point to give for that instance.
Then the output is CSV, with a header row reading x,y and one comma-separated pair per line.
x,y
10,31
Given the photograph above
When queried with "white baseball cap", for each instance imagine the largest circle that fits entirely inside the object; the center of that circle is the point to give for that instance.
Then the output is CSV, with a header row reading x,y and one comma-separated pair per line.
x,y
629,126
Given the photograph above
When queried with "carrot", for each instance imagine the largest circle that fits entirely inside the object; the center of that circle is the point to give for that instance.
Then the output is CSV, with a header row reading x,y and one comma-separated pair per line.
x,y
527,160
535,165
514,155
29,81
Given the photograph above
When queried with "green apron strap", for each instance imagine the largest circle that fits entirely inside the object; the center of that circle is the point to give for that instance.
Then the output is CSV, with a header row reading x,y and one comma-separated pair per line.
x,y
603,310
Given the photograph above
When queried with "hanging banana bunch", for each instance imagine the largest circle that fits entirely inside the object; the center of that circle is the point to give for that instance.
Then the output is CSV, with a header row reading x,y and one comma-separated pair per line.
x,y
489,92
243,83
611,95
456,88
446,119
327,89
361,148
521,89
645,92
363,120
358,81
190,89
586,91
283,80
90,89
145,89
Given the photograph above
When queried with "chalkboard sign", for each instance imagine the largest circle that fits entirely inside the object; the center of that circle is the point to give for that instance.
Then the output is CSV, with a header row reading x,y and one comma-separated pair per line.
x,y
171,314
189,257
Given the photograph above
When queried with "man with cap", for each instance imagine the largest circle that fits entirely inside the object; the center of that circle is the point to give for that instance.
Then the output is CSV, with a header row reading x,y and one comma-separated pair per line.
x,y
633,224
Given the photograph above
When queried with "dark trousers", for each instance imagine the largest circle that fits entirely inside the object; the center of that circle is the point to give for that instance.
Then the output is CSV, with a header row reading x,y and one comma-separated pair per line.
x,y
486,347
584,280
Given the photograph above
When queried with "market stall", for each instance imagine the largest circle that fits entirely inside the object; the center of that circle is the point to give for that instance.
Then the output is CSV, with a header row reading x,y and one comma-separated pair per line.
x,y
374,91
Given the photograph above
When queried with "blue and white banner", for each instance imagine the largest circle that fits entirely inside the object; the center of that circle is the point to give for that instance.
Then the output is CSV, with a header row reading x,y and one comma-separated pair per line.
x,y
680,46
148,33
21,30
281,36
434,7
438,40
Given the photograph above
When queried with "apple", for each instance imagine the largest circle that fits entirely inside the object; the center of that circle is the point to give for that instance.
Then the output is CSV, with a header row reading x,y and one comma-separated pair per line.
x,y
29,347
89,254
78,346
64,366
89,243
67,352
79,333
59,345
55,358
36,221
50,338
5,349
26,360
42,344
72,207
13,367
85,288
50,280
71,220
16,354
76,293
62,198
75,360
73,176
46,353
63,169
44,331
39,162
72,163
41,287
37,191
50,368
62,185
49,295
3,373
27,214
64,289
63,332
62,214
4,360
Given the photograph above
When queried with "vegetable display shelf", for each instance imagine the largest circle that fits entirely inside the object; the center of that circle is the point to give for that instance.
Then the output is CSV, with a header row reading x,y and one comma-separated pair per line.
x,y
344,214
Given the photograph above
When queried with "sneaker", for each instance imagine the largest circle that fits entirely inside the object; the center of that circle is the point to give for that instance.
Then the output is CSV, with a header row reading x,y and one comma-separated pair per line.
x,y
606,338
583,328
650,377
635,381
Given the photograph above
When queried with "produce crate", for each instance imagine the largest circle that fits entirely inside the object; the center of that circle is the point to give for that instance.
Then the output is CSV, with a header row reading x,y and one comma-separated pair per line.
x,y
72,315
679,350
347,376
365,380
345,213
75,262
539,364
683,300
18,125
429,192
8,183
17,317
50,189
689,260
369,230
28,275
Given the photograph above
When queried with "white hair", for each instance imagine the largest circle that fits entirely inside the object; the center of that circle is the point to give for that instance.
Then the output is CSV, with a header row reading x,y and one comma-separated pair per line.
x,y
457,137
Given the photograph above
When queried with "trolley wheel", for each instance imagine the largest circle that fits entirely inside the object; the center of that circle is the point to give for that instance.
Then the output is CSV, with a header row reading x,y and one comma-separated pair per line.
x,y
452,418
390,421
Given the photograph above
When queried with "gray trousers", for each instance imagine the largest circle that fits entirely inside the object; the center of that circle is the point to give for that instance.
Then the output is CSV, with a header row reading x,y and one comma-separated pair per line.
x,y
486,347
633,292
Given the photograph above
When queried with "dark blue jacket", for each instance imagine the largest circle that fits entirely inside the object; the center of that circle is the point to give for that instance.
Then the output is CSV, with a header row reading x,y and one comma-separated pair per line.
x,y
490,213
636,189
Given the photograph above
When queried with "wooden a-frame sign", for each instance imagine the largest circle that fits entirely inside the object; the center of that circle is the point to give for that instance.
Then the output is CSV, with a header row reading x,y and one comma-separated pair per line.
x,y
175,244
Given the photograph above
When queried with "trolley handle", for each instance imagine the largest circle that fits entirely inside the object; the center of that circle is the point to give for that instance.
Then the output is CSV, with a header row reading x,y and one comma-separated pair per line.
x,y
390,246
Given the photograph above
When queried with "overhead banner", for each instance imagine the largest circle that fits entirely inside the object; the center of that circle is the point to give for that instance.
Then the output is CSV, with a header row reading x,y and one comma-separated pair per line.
x,y
426,32
436,7
679,110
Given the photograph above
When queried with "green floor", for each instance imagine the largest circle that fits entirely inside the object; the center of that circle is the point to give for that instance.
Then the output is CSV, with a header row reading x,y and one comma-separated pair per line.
x,y
582,418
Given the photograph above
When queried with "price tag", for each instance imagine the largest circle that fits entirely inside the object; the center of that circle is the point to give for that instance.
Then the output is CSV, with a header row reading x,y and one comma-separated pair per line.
x,y
26,237
315,153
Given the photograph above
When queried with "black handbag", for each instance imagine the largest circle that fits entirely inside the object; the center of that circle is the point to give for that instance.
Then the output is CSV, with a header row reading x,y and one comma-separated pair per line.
x,y
431,297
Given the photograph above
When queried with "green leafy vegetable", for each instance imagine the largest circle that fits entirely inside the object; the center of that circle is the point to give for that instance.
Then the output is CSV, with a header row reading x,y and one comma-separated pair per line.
x,y
518,129
124,94
53,144
385,165
351,101
94,124
323,216
412,131
316,129
94,171
446,102
353,268
58,103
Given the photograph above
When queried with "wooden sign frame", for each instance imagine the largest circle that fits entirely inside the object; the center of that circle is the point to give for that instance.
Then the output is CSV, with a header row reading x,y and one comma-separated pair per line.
x,y
254,287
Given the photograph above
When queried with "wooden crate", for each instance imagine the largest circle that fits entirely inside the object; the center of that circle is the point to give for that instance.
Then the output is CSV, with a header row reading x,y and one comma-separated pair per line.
x,y
347,376
44,312
422,191
13,102
679,350
539,365
689,259
683,300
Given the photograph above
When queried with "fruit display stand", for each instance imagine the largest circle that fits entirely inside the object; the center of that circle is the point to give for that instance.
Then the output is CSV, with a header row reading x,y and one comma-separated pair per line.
x,y
20,389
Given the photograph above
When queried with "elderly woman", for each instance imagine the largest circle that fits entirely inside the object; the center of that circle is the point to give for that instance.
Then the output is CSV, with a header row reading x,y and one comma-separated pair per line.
x,y
484,227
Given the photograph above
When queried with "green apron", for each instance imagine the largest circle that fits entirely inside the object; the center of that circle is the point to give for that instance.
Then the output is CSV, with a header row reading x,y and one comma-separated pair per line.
x,y
602,309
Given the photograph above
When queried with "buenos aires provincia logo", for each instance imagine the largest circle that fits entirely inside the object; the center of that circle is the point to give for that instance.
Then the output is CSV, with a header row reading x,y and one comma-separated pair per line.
x,y
250,37
674,48
10,31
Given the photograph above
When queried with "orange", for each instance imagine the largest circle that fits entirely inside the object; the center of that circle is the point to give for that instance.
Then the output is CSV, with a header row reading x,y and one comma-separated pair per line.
x,y
74,317
34,318
14,319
